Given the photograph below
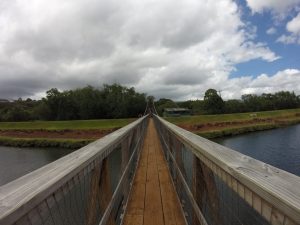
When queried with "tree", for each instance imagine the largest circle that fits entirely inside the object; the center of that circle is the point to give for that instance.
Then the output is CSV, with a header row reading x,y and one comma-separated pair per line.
x,y
61,105
17,113
286,100
163,103
198,107
252,102
121,102
213,103
90,102
234,106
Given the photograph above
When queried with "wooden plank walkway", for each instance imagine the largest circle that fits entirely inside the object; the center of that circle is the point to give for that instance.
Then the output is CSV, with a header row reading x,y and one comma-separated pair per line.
x,y
153,200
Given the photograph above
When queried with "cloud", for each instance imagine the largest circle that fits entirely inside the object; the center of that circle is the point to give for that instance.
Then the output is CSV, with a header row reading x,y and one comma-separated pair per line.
x,y
276,6
285,80
293,27
280,11
287,39
271,31
165,48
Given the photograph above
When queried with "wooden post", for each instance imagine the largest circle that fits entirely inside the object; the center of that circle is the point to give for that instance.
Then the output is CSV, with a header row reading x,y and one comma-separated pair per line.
x,y
212,192
198,188
134,139
105,192
178,158
93,194
125,159
203,181
130,141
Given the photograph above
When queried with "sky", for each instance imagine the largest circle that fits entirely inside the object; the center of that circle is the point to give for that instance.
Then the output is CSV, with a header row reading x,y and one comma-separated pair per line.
x,y
166,48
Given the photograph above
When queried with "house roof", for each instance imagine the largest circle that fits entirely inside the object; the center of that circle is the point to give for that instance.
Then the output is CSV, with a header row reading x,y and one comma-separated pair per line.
x,y
176,109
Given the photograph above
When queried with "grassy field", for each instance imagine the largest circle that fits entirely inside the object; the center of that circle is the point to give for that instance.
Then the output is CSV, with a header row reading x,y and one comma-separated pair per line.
x,y
44,133
44,142
21,134
231,117
63,125
213,126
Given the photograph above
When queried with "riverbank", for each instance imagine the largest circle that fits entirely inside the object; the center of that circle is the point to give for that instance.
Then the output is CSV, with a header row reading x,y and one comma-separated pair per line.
x,y
215,126
44,142
76,134
57,134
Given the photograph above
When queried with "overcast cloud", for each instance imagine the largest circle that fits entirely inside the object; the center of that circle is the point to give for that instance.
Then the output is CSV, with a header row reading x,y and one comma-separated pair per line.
x,y
166,48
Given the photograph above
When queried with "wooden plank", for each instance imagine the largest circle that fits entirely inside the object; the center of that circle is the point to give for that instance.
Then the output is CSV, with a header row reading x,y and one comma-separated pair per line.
x,y
136,204
137,201
212,191
256,202
153,199
248,196
134,219
137,198
94,188
266,209
125,159
203,182
277,218
288,221
280,188
153,207
198,188
23,221
172,211
241,190
171,206
105,192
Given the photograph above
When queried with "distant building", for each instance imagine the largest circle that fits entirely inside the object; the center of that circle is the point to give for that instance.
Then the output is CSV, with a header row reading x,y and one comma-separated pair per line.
x,y
169,112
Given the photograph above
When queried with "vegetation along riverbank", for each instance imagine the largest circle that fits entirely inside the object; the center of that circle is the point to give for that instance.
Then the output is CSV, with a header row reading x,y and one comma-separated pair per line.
x,y
213,126
75,134
61,134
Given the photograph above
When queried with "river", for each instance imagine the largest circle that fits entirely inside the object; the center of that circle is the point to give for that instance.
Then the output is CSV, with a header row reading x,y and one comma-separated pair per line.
x,y
278,147
16,162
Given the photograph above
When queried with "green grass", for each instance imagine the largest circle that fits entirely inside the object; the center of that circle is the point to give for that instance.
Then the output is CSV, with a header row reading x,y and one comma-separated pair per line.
x,y
103,124
44,142
236,130
279,118
288,116
188,120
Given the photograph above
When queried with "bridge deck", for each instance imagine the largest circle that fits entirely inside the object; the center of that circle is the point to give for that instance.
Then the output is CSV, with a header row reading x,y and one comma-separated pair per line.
x,y
153,198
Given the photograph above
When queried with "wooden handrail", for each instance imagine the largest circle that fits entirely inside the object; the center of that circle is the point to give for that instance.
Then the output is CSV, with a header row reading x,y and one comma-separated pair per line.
x,y
22,195
278,190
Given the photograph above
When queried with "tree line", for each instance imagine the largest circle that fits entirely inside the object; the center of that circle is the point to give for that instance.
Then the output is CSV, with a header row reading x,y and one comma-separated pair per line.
x,y
214,104
110,101
116,101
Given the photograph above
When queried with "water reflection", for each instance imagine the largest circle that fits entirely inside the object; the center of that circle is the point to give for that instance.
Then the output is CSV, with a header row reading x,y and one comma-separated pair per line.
x,y
279,147
16,162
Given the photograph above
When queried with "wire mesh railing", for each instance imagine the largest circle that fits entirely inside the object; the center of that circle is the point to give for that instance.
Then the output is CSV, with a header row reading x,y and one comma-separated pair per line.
x,y
87,187
219,186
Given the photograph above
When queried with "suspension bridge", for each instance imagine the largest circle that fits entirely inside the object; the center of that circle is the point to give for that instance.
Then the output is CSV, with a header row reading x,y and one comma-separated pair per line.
x,y
153,172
